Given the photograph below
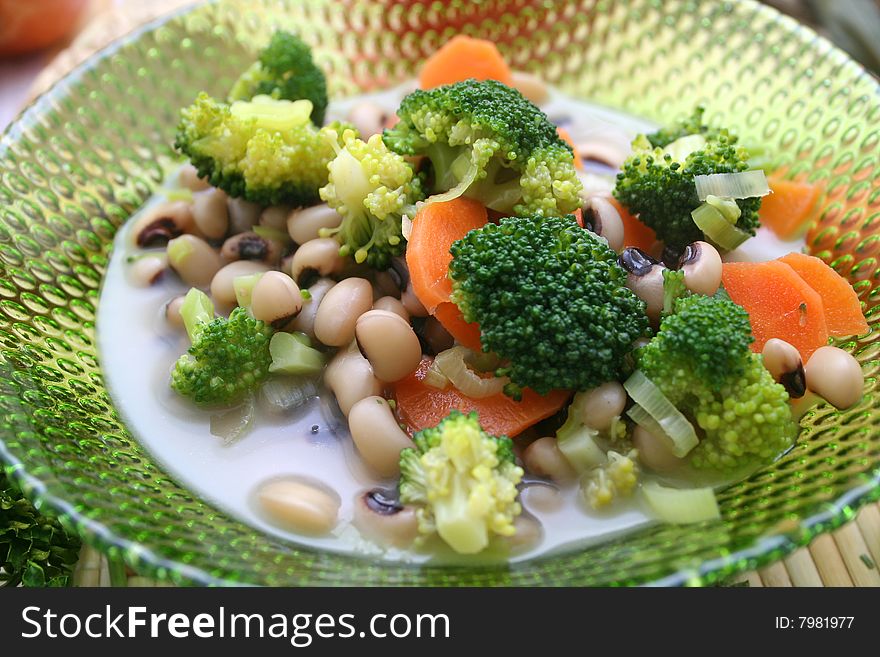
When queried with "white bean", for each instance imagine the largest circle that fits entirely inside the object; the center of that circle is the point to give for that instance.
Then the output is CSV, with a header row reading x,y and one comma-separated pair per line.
x,y
397,526
600,405
411,302
783,361
655,452
377,435
243,215
193,259
350,378
527,532
391,305
172,313
836,376
222,289
340,309
305,321
147,269
389,343
305,225
275,217
188,177
543,458
368,117
302,506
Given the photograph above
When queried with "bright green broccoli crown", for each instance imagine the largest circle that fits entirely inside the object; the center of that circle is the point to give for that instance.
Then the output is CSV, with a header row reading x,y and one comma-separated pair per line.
x,y
551,300
706,339
700,360
372,188
286,71
487,141
657,179
265,150
228,358
464,482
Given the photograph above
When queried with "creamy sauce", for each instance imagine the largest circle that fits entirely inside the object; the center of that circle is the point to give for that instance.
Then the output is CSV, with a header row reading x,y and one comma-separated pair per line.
x,y
138,350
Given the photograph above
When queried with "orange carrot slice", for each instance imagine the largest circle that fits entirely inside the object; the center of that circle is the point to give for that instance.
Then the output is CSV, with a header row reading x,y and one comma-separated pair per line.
x,y
420,405
788,209
435,227
780,304
448,314
843,312
464,57
635,233
566,137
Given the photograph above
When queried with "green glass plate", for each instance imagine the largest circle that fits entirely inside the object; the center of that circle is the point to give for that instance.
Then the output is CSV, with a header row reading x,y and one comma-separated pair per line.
x,y
82,158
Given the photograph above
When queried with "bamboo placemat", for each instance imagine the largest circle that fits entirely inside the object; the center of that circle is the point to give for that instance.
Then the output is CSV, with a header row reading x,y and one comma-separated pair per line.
x,y
846,557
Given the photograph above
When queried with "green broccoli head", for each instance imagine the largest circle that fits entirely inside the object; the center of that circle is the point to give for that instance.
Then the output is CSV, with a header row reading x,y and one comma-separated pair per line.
x,y
372,188
264,150
701,361
228,357
285,70
657,179
463,481
486,141
551,300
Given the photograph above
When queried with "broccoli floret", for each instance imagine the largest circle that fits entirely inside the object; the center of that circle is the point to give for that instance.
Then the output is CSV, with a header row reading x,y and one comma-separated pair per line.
x,y
265,150
228,357
657,179
612,480
372,188
700,360
285,70
550,299
486,141
463,481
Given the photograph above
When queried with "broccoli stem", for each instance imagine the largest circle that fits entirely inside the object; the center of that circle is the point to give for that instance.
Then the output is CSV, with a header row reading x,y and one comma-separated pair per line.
x,y
457,524
196,310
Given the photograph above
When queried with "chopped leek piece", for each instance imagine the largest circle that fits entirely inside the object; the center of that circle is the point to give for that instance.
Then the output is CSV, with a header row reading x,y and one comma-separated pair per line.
x,y
291,356
647,395
577,442
681,506
182,194
244,288
717,229
743,184
196,309
726,206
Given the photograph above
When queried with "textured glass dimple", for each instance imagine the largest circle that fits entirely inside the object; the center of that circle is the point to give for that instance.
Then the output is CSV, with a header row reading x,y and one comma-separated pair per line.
x,y
89,152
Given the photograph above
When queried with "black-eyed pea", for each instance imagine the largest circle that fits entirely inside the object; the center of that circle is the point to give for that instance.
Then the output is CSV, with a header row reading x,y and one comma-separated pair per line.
x,y
655,452
162,222
383,519
783,361
299,505
389,343
602,218
275,217
530,86
377,436
210,213
304,322
250,246
411,302
194,260
147,269
701,264
339,311
528,532
172,313
243,215
276,299
645,278
543,458
188,177
305,224
350,378
836,376
391,305
316,257
598,406
541,498
222,285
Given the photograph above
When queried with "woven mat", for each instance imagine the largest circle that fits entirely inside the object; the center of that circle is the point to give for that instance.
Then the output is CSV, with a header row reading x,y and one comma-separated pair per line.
x,y
846,557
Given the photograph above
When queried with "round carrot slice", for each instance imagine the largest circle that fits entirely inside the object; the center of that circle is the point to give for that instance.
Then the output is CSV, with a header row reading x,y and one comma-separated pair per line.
x,y
464,57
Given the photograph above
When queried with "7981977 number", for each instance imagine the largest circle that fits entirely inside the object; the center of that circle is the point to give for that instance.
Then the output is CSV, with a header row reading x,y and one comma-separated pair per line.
x,y
825,622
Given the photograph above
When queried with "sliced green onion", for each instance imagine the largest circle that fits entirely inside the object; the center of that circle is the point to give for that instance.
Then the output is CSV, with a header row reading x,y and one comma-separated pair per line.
x,y
291,356
454,367
182,194
648,396
727,207
271,113
743,184
681,506
243,286
717,229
